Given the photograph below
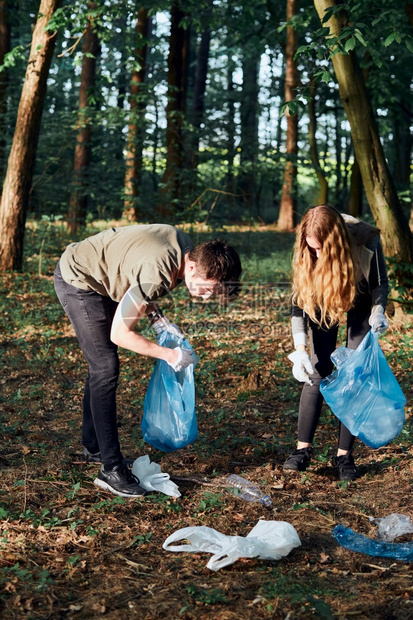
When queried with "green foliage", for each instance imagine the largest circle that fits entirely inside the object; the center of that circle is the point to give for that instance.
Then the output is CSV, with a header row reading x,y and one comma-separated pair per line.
x,y
308,591
37,577
207,596
252,33
401,281
109,505
210,501
12,58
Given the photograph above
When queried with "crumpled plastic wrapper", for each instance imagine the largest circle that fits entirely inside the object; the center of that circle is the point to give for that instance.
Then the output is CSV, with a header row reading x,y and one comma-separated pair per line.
x,y
152,479
268,540
393,526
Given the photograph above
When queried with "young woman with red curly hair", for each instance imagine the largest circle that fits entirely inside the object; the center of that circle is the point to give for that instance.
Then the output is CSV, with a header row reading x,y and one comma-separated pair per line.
x,y
338,269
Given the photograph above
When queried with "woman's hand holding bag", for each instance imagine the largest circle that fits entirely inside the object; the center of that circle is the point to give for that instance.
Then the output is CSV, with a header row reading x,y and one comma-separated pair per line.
x,y
364,394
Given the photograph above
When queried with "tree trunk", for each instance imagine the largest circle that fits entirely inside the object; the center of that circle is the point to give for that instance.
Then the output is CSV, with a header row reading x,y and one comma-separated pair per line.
x,y
287,218
312,131
281,93
123,75
408,7
172,181
230,125
19,175
338,190
396,237
356,190
200,88
79,196
4,49
402,147
249,128
348,152
136,120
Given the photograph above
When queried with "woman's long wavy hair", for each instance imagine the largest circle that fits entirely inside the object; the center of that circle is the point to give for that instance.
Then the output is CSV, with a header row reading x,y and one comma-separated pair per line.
x,y
324,287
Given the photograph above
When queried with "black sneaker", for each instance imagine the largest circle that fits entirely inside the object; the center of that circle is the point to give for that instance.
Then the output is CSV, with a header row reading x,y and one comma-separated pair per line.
x,y
88,457
298,460
346,469
120,481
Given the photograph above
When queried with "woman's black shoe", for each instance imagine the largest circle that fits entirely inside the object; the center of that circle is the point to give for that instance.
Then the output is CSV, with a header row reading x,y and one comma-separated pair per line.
x,y
346,468
298,460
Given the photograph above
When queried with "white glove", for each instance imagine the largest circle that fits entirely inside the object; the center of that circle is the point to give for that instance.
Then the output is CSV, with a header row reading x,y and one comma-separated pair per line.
x,y
377,320
163,324
302,366
185,359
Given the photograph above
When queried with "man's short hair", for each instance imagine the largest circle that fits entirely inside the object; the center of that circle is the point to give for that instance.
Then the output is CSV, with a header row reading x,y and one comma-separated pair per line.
x,y
216,260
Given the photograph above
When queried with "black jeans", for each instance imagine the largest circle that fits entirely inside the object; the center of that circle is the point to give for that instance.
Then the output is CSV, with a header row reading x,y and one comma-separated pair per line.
x,y
91,316
322,344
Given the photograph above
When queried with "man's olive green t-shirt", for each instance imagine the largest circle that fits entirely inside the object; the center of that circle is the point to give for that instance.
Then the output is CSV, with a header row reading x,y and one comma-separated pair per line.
x,y
145,257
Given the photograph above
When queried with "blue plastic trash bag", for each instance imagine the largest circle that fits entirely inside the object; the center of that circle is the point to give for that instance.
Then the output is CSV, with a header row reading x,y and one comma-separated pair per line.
x,y
364,394
169,418
349,539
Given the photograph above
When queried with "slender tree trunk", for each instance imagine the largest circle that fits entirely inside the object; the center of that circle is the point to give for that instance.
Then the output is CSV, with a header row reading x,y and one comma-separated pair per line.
x,y
19,175
122,83
402,147
249,128
287,218
346,169
338,186
230,125
281,94
356,190
4,49
312,133
79,196
200,88
172,181
136,120
156,139
408,7
123,75
381,195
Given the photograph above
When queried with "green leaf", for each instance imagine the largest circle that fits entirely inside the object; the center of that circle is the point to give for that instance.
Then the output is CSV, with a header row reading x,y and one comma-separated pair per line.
x,y
350,44
326,77
390,39
322,608
360,37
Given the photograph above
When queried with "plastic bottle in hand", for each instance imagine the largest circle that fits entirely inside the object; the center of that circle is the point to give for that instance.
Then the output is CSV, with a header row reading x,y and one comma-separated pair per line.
x,y
247,490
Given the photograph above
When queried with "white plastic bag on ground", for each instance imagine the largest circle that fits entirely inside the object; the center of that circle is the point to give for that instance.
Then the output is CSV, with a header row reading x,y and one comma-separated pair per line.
x,y
268,540
152,479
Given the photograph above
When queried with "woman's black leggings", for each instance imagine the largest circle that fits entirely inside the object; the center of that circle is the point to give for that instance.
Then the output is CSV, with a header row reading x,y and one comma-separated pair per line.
x,y
322,344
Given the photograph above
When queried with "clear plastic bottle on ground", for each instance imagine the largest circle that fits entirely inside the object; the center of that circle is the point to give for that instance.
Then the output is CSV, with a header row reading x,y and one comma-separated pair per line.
x,y
247,491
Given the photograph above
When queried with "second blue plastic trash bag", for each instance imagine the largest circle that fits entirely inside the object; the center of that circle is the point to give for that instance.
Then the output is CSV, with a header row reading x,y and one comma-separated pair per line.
x,y
364,394
169,418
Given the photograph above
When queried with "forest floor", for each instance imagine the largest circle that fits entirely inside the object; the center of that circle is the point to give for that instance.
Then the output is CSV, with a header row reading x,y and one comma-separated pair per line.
x,y
70,550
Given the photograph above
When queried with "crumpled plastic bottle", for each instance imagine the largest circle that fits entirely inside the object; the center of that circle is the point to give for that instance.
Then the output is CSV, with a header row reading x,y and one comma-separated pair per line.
x,y
247,491
349,539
